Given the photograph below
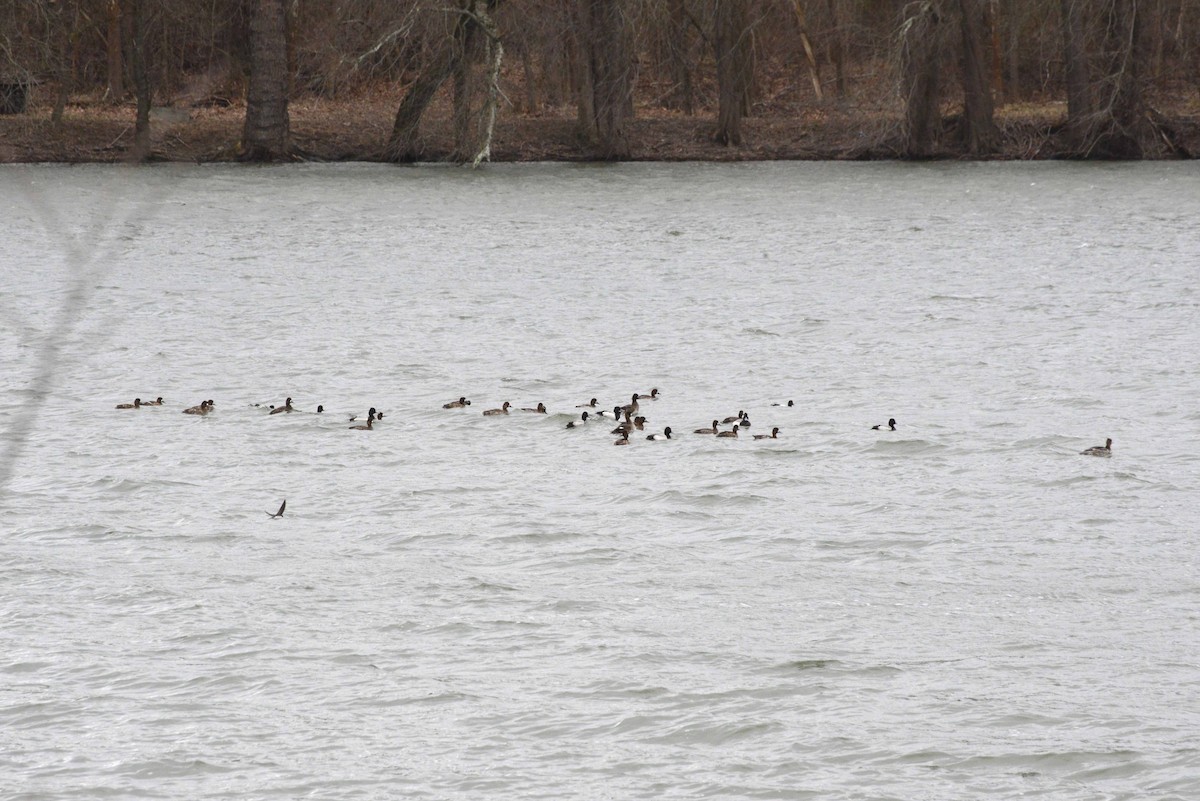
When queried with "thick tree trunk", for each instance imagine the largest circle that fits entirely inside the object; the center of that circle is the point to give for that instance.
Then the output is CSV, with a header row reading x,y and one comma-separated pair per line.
x,y
837,48
266,133
735,59
610,73
116,61
464,141
1125,131
979,128
141,78
921,51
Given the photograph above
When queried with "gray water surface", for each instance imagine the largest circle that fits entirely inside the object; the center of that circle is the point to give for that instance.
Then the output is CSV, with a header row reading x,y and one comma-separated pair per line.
x,y
461,607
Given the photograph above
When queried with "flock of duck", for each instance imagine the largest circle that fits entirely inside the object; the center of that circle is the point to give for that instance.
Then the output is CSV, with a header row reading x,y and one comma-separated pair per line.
x,y
627,418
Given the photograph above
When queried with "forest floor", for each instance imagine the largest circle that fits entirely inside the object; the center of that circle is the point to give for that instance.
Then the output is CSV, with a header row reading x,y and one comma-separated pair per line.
x,y
357,129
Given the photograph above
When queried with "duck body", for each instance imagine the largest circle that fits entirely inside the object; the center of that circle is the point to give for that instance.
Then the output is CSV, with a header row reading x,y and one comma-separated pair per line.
x,y
157,402
502,410
202,409
732,433
666,434
1099,450
591,405
712,430
580,422
624,440
632,407
773,435
286,407
458,404
734,419
891,425
368,427
137,404
541,409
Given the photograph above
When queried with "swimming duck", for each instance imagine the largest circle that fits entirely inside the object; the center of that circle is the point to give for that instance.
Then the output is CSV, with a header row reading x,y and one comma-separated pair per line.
x,y
773,435
732,433
624,440
589,405
137,404
541,409
286,407
1099,450
652,396
631,407
789,403
639,423
616,412
733,419
153,402
367,427
745,421
320,409
502,410
891,424
370,414
712,430
203,408
577,423
458,404
666,434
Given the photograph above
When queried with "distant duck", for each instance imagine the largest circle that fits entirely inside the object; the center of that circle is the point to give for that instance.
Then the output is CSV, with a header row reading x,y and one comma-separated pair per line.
x,y
577,423
204,408
631,408
458,404
623,428
153,402
652,396
891,424
320,409
789,403
541,409
502,410
1099,450
589,405
368,427
732,433
666,434
734,419
624,440
137,404
286,407
773,435
712,430
378,416
353,417
639,423
614,414
745,421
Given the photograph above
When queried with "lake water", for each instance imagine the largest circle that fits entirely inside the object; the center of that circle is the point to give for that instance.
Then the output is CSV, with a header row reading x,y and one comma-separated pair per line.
x,y
457,606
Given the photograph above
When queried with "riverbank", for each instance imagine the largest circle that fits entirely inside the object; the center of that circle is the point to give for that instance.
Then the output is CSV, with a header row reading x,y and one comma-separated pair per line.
x,y
92,131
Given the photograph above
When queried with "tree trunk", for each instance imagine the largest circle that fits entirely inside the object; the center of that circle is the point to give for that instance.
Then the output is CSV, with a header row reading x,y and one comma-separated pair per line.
x,y
404,144
837,49
610,73
141,79
266,133
734,56
1125,131
979,128
116,62
1079,99
921,57
683,95
464,141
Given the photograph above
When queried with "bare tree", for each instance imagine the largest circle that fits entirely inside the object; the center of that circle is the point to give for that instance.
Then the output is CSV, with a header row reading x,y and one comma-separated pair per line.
x,y
979,128
921,50
266,132
733,43
140,46
607,89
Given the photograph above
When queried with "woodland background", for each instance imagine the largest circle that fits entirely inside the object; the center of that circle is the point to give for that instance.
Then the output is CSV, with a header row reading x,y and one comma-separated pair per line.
x,y
465,80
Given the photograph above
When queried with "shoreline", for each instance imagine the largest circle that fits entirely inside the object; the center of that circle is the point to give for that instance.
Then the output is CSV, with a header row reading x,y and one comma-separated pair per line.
x,y
357,130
